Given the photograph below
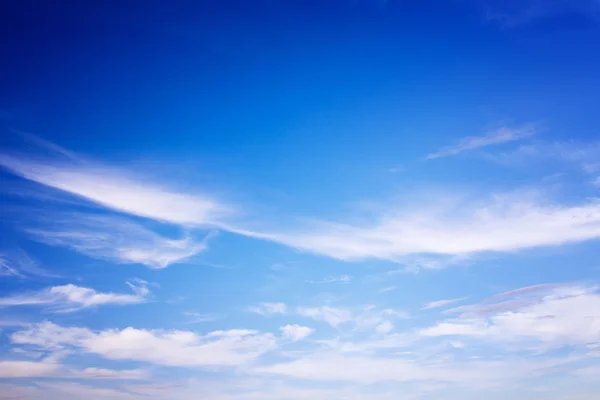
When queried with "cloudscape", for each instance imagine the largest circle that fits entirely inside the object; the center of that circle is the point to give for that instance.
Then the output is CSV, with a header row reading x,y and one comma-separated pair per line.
x,y
293,200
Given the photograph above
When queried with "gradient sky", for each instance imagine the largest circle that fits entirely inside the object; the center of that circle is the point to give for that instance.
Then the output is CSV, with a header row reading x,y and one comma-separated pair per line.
x,y
289,200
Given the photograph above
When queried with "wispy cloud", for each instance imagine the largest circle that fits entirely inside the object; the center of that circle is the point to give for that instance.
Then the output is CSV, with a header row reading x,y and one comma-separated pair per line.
x,y
497,136
442,226
69,298
584,156
451,226
7,269
18,263
333,279
117,189
269,308
116,239
441,303
196,317
553,318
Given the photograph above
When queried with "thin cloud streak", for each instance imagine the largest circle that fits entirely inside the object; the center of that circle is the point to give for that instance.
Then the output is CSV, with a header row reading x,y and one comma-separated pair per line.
x,y
118,190
498,136
441,303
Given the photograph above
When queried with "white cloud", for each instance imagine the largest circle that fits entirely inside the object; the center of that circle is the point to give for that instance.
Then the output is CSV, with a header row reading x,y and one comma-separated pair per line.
x,y
364,318
48,368
441,303
104,373
333,316
67,298
583,155
497,136
385,327
333,279
387,289
371,370
6,269
296,332
172,348
196,317
557,317
117,240
28,369
18,263
455,228
442,227
118,190
269,308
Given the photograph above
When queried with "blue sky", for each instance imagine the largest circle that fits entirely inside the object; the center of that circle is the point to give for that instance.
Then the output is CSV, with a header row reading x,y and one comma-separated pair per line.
x,y
295,200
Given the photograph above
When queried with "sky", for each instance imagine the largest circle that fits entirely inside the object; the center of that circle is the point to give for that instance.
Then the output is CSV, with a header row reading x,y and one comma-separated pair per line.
x,y
289,200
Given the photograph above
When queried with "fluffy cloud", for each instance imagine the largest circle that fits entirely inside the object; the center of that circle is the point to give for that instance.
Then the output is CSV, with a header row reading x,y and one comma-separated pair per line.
x,y
70,297
172,348
296,332
333,316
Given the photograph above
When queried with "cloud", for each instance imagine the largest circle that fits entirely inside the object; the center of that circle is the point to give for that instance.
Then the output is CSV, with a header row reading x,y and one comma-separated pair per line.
x,y
118,190
497,136
6,269
333,316
47,368
170,348
28,369
453,227
327,367
585,156
269,308
196,317
17,263
333,279
363,318
68,298
556,317
385,327
444,226
296,332
441,303
116,239
387,289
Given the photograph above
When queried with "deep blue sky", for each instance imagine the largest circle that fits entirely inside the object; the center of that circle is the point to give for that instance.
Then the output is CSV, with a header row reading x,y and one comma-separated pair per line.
x,y
334,176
